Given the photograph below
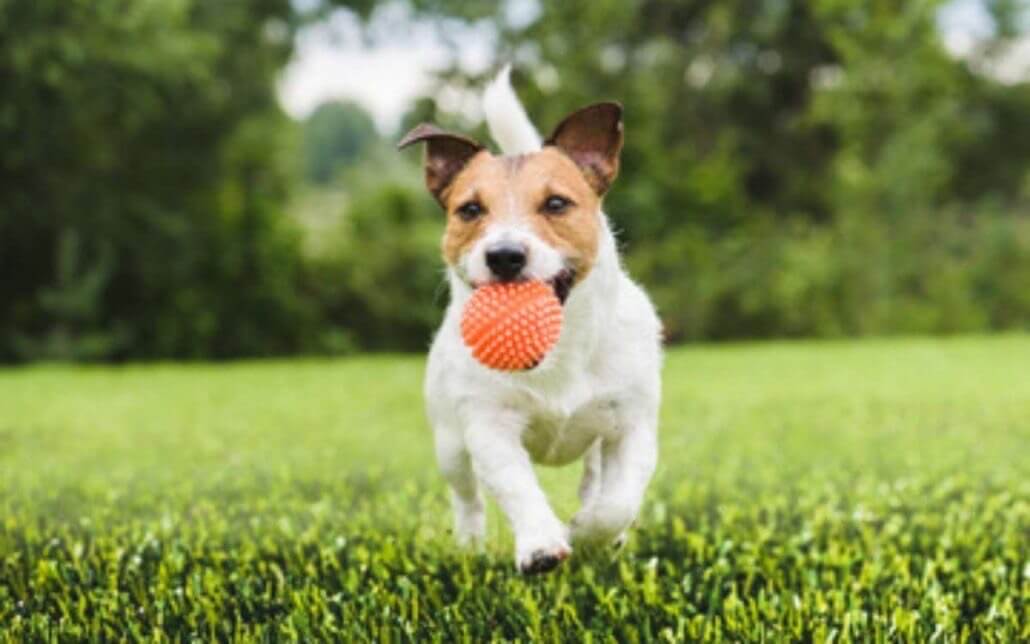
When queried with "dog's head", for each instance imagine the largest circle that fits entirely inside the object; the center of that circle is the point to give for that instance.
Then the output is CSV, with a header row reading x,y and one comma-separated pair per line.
x,y
530,216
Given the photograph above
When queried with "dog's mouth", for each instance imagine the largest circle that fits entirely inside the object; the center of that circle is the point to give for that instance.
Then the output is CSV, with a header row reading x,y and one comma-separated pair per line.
x,y
562,284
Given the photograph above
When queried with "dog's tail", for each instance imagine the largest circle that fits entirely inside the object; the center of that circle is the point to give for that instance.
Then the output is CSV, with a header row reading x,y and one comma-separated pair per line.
x,y
506,118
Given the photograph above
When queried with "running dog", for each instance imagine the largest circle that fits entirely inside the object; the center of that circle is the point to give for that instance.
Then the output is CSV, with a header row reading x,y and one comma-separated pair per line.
x,y
534,212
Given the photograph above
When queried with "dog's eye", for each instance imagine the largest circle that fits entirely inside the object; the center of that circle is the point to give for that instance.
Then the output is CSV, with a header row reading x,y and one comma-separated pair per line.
x,y
555,205
470,210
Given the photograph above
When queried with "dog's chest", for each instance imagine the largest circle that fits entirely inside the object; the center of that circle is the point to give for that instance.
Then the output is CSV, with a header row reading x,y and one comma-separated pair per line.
x,y
554,437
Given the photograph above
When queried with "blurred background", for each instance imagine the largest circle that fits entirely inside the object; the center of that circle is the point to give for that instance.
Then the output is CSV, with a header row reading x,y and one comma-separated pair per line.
x,y
182,179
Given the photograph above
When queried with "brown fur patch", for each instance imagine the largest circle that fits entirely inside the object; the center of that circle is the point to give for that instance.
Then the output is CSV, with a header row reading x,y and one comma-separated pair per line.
x,y
576,232
517,187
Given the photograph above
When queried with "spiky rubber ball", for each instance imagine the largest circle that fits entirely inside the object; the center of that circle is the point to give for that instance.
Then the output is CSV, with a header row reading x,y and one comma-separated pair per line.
x,y
511,326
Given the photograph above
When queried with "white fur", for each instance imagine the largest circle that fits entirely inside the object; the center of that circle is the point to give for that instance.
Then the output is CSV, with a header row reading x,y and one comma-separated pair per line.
x,y
595,395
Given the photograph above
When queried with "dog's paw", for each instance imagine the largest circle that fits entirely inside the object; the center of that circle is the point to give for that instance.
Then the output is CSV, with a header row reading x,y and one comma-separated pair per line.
x,y
534,556
620,541
542,561
470,530
602,525
473,541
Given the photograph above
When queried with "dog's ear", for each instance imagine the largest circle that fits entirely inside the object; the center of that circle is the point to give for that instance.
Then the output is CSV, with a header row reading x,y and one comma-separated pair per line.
x,y
446,155
592,137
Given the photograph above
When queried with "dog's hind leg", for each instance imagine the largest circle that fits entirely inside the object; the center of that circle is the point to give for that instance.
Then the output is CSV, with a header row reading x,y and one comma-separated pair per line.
x,y
466,501
627,463
590,483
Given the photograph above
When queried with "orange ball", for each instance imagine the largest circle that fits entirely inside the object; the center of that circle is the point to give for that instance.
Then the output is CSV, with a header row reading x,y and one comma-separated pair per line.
x,y
511,326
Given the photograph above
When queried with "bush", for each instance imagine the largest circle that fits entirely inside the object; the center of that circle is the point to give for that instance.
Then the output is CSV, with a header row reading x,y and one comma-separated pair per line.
x,y
143,182
335,135
379,277
933,272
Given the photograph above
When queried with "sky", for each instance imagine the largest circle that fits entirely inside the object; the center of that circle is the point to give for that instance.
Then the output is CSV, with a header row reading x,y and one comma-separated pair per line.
x,y
386,71
383,74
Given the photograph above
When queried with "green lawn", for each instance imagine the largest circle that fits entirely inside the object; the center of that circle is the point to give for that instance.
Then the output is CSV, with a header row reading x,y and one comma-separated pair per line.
x,y
875,490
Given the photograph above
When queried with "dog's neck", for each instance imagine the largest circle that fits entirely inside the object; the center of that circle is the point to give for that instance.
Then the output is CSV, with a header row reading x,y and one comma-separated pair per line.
x,y
587,311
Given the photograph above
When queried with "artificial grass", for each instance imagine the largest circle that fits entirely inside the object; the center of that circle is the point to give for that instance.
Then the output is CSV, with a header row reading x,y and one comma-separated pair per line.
x,y
862,491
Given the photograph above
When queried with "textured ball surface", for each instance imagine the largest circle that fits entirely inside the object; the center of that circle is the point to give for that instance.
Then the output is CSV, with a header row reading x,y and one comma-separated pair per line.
x,y
511,326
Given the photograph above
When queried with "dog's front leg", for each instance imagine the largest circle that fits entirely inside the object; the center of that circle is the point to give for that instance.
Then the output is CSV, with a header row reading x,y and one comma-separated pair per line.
x,y
501,463
627,462
467,503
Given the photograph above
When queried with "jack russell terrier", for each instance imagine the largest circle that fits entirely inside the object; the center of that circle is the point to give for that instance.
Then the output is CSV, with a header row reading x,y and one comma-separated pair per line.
x,y
535,213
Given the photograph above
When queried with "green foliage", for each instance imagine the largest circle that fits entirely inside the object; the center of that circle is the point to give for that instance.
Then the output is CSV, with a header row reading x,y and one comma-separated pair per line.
x,y
73,307
854,276
794,168
335,135
379,276
872,491
791,168
149,132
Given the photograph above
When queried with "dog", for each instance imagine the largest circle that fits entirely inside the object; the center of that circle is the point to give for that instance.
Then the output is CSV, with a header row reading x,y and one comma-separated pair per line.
x,y
534,212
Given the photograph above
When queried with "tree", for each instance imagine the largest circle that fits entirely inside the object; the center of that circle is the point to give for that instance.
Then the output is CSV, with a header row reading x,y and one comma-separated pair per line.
x,y
771,147
149,133
335,135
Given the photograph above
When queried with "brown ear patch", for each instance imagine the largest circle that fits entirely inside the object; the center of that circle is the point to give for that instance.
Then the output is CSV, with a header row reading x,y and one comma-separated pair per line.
x,y
446,155
592,138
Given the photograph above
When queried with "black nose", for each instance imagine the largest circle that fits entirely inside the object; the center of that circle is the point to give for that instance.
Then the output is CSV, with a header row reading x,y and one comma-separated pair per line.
x,y
506,260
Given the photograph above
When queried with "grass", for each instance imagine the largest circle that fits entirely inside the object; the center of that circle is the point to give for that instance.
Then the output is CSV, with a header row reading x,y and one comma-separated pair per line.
x,y
871,491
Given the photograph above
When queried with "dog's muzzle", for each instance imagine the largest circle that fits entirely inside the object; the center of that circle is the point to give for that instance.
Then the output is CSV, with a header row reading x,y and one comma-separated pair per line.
x,y
506,260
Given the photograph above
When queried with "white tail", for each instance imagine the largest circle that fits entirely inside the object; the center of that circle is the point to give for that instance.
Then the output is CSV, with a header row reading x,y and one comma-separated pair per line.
x,y
506,118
